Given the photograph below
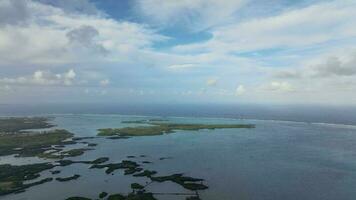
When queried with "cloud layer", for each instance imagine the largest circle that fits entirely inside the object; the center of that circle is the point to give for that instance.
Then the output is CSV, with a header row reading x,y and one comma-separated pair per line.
x,y
207,50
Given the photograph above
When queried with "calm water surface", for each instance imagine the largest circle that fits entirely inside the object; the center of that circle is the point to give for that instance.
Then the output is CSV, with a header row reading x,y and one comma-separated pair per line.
x,y
276,160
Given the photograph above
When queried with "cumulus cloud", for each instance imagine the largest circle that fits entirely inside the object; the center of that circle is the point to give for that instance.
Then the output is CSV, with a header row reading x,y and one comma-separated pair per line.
x,y
278,86
334,66
240,90
212,82
5,88
327,67
13,12
54,36
84,36
182,66
42,78
105,82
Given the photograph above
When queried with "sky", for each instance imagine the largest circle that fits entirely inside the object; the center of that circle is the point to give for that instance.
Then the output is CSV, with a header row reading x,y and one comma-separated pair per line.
x,y
186,51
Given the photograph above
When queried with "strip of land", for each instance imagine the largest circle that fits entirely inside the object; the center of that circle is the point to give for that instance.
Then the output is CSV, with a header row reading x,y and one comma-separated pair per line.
x,y
31,144
18,124
159,128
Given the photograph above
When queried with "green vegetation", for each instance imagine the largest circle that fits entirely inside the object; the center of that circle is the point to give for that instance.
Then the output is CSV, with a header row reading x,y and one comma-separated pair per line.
x,y
64,154
77,198
31,144
159,128
55,172
146,173
143,121
125,164
185,181
102,195
193,198
137,186
132,170
133,196
74,177
140,195
12,177
17,124
94,162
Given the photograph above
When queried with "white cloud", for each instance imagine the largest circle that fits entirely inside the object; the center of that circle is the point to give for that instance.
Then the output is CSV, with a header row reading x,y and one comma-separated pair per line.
x,y
324,67
74,6
42,78
297,28
182,66
5,88
278,86
194,15
105,82
212,82
52,35
240,90
13,12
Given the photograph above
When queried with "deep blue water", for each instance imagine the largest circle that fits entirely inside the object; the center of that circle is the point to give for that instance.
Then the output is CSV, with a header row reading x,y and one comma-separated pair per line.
x,y
300,113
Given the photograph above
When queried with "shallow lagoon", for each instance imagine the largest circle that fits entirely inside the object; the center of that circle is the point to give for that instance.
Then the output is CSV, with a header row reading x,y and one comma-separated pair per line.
x,y
275,160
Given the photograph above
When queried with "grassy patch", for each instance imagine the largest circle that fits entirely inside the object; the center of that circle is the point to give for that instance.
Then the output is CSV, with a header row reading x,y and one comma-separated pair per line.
x,y
74,177
12,177
159,128
31,144
16,124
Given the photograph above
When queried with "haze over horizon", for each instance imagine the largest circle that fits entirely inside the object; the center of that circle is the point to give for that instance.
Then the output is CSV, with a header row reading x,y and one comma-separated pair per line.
x,y
196,51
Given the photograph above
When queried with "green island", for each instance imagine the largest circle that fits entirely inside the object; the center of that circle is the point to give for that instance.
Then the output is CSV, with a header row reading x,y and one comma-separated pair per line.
x,y
17,138
31,144
135,169
59,154
12,177
17,124
160,128
74,177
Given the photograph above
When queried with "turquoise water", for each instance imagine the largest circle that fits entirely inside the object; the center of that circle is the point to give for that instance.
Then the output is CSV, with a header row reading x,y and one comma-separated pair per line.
x,y
276,160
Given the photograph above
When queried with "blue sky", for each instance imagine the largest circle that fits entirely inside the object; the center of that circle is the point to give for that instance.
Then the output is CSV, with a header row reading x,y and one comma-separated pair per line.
x,y
187,51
